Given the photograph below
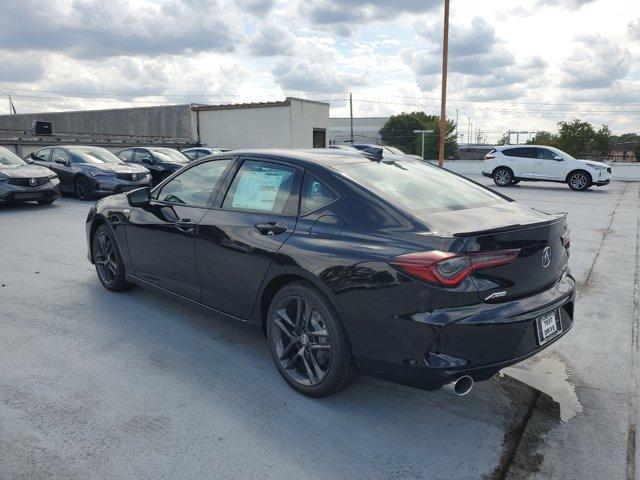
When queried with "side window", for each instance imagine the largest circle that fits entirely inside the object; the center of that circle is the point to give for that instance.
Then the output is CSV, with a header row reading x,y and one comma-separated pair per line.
x,y
59,156
529,152
195,185
261,187
126,155
315,194
43,155
545,154
521,152
143,156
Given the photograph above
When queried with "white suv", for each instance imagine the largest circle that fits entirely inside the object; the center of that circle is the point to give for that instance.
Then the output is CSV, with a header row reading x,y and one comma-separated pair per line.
x,y
510,164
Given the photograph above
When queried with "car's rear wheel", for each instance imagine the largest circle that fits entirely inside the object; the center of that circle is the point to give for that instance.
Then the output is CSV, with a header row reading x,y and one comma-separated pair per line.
x,y
83,189
502,177
308,342
108,261
579,181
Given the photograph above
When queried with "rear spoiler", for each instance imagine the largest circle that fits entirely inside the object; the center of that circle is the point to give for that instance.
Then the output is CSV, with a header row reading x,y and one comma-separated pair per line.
x,y
556,218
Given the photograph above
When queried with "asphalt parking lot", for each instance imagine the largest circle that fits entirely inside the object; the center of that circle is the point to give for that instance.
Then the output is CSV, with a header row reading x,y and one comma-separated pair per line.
x,y
135,385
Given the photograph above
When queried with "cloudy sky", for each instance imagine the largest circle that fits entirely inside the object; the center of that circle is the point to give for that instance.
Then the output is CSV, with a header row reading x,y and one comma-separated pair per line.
x,y
522,65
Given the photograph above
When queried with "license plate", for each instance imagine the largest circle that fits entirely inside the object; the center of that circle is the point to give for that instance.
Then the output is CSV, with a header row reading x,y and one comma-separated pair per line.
x,y
548,326
28,196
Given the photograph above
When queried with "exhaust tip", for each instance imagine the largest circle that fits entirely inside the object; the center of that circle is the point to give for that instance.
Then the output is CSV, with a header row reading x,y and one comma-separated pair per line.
x,y
460,386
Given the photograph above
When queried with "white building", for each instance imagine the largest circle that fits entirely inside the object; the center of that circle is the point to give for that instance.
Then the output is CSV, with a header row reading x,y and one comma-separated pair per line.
x,y
291,123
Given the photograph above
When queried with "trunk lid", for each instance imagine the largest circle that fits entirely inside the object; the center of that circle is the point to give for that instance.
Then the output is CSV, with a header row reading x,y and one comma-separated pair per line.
x,y
542,259
541,262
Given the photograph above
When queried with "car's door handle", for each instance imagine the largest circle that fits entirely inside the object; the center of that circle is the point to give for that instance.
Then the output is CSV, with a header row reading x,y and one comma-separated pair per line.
x,y
270,228
186,225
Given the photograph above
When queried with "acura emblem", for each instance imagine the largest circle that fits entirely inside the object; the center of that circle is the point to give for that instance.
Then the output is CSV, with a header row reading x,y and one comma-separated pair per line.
x,y
134,176
33,182
546,257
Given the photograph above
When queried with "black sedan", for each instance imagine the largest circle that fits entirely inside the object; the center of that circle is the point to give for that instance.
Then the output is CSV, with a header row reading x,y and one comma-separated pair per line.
x,y
161,161
393,268
90,171
21,182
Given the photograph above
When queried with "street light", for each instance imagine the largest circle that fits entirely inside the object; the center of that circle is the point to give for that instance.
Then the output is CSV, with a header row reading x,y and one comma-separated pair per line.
x,y
423,132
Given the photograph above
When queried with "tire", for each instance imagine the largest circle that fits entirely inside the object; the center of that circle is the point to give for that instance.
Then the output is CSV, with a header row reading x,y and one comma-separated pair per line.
x,y
108,261
579,180
311,349
502,177
82,189
46,202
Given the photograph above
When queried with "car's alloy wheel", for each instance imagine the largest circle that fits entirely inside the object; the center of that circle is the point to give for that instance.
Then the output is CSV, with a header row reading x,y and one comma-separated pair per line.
x,y
579,181
502,177
108,262
302,341
307,341
83,189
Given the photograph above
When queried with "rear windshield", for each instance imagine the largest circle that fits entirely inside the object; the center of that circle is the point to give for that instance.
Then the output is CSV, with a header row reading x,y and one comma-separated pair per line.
x,y
169,155
418,187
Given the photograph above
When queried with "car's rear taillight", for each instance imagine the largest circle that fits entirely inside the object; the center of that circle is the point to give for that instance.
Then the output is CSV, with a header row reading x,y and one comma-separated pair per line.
x,y
489,157
566,239
450,269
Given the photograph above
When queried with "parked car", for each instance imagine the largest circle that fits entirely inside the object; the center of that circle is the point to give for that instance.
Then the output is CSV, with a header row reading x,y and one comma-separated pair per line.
x,y
347,265
90,171
161,161
510,164
21,182
199,152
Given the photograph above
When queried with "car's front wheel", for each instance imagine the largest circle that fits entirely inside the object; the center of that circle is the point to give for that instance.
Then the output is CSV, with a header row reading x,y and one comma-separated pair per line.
x,y
502,177
308,342
108,261
579,181
83,189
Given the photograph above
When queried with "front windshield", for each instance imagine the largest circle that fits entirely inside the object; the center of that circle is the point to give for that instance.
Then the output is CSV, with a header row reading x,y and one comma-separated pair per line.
x,y
169,155
7,157
93,155
418,187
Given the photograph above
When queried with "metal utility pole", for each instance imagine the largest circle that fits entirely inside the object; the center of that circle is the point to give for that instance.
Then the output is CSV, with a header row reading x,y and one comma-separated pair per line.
x,y
469,131
351,114
423,132
443,104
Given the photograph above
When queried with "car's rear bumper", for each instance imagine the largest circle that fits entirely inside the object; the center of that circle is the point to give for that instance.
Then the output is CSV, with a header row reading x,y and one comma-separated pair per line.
x,y
478,340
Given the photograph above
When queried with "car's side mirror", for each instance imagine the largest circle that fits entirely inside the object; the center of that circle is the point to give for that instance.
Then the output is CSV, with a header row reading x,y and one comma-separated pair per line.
x,y
140,197
62,161
148,160
29,160
558,158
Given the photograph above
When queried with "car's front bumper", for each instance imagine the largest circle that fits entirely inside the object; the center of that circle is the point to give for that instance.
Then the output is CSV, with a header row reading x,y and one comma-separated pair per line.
x,y
14,193
103,186
430,349
602,177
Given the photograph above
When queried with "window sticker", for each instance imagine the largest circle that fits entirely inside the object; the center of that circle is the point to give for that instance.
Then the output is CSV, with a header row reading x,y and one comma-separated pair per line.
x,y
258,189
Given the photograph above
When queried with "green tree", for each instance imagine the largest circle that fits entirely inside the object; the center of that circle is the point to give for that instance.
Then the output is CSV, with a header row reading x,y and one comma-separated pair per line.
x,y
544,138
504,139
576,137
398,132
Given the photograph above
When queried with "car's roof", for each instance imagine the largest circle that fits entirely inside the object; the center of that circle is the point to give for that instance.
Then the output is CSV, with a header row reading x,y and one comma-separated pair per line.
x,y
526,145
324,157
